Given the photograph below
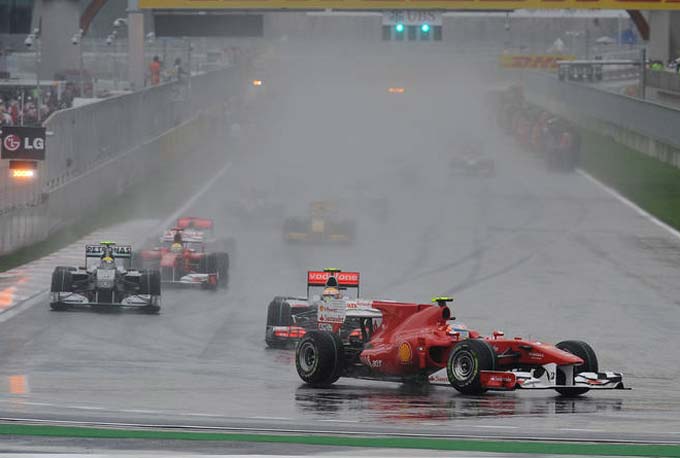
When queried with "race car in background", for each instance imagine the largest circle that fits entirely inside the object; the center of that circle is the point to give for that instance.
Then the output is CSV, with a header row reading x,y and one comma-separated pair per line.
x,y
421,343
200,234
470,161
106,280
183,261
321,226
255,205
289,317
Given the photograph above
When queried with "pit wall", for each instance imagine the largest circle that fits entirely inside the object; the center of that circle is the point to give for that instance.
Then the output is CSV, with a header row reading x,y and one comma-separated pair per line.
x,y
96,152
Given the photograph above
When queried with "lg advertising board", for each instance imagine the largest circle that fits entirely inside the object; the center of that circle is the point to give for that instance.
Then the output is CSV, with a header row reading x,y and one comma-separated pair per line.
x,y
22,143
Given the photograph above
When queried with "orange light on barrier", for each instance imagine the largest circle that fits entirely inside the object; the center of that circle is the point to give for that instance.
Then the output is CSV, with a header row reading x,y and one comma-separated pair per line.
x,y
257,82
23,173
396,90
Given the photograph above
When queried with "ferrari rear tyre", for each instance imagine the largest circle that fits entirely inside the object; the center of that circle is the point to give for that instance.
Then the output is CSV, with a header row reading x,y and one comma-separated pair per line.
x,y
590,364
319,358
466,362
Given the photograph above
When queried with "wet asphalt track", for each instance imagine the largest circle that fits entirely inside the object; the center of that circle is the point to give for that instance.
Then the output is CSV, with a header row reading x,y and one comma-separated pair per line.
x,y
539,254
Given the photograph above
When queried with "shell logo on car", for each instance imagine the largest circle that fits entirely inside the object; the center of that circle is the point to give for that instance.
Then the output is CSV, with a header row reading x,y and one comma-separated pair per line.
x,y
405,353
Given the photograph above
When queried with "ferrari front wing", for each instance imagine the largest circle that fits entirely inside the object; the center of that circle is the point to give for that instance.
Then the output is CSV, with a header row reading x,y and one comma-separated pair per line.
x,y
193,280
541,379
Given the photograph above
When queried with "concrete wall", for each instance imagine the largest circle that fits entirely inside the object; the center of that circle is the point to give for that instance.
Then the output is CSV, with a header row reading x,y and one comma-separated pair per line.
x,y
98,151
667,81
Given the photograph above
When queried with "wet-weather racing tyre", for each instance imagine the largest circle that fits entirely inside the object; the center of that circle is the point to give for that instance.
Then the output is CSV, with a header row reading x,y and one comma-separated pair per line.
x,y
222,269
466,362
319,358
62,282
278,314
150,282
590,364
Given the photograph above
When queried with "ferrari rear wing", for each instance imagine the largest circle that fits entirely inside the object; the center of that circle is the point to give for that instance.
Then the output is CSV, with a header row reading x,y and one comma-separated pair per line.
x,y
192,222
332,278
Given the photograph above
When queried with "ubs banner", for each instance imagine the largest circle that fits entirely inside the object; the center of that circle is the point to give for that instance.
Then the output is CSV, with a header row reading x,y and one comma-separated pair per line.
x,y
23,143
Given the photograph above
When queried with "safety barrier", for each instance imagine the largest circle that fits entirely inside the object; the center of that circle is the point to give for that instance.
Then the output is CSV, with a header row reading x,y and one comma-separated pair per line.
x,y
582,103
645,126
96,152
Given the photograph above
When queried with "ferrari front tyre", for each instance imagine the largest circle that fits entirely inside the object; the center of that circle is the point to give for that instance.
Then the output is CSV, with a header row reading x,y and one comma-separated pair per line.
x,y
319,358
466,362
590,364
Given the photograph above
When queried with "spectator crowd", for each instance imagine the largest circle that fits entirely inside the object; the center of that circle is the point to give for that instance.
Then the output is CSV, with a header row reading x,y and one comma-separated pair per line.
x,y
31,106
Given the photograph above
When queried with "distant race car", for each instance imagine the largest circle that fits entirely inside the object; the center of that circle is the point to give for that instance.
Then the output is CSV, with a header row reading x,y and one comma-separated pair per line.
x,y
289,318
472,162
420,343
200,234
182,258
321,226
106,280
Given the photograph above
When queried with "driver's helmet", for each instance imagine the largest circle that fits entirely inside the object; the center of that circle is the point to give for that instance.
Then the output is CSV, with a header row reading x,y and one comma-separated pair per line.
x,y
107,255
176,247
330,294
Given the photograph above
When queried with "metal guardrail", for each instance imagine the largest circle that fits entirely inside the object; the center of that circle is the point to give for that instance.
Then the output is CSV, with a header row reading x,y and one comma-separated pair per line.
x,y
86,136
579,102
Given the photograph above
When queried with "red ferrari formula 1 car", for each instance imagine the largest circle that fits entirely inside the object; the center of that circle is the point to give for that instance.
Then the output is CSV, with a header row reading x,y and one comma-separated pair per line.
x,y
183,261
199,234
420,343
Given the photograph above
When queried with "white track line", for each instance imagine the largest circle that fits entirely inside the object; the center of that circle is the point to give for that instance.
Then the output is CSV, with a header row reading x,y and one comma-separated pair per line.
x,y
302,430
172,218
646,215
22,306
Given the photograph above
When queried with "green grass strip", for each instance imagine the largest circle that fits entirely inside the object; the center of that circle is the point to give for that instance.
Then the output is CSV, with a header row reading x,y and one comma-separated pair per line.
x,y
466,445
647,181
